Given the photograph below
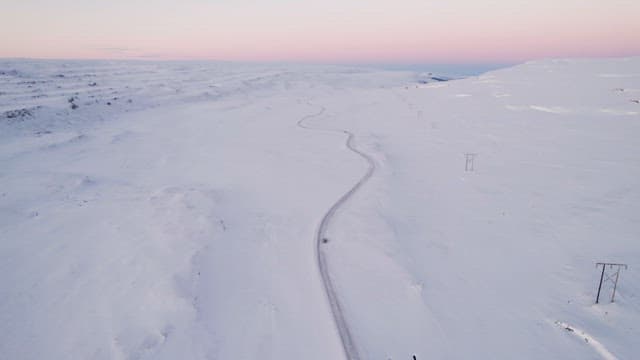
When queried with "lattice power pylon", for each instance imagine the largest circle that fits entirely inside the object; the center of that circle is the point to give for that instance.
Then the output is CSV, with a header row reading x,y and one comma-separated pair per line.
x,y
469,160
610,276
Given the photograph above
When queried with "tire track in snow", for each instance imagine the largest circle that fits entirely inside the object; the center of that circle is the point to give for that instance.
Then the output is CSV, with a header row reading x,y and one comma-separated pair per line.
x,y
350,349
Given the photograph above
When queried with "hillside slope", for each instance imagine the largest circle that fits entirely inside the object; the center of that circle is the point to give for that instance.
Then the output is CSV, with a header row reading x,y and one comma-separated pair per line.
x,y
173,211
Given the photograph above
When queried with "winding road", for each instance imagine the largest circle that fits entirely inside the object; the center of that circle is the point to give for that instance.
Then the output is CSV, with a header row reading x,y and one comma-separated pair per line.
x,y
350,349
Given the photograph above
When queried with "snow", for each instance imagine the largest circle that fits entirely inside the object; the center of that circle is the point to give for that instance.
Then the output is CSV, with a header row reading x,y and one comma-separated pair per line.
x,y
597,346
176,212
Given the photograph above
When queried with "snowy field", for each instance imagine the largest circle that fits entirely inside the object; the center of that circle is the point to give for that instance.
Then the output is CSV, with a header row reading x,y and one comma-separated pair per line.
x,y
157,210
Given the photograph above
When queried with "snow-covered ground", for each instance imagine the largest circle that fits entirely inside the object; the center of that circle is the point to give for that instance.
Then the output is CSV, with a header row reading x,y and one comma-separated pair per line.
x,y
155,210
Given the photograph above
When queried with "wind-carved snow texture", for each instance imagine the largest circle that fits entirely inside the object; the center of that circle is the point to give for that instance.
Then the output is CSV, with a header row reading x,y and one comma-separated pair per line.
x,y
350,348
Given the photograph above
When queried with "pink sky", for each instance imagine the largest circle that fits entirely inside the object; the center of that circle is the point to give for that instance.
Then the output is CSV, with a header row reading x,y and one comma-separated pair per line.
x,y
404,31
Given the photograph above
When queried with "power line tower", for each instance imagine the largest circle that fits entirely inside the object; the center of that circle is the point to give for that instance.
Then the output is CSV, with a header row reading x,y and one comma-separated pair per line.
x,y
469,159
611,276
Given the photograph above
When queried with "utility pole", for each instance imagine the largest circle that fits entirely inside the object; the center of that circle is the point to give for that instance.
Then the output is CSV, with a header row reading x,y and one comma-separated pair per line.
x,y
612,276
469,159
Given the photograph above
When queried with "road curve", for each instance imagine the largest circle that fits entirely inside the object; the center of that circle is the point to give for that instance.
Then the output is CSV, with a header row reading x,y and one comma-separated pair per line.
x,y
349,347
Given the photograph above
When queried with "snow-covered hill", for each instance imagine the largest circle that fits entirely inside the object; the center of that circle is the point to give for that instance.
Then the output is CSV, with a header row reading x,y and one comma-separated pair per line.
x,y
173,210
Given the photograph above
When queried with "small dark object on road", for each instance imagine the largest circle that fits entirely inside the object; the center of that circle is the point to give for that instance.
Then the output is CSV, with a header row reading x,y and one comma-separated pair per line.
x,y
74,106
93,84
325,240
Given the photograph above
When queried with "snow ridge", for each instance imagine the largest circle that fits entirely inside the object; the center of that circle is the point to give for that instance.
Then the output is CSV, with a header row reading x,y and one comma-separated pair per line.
x,y
590,340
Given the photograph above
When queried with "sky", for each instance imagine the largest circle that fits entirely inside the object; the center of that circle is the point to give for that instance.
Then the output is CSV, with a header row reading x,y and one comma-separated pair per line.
x,y
321,31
